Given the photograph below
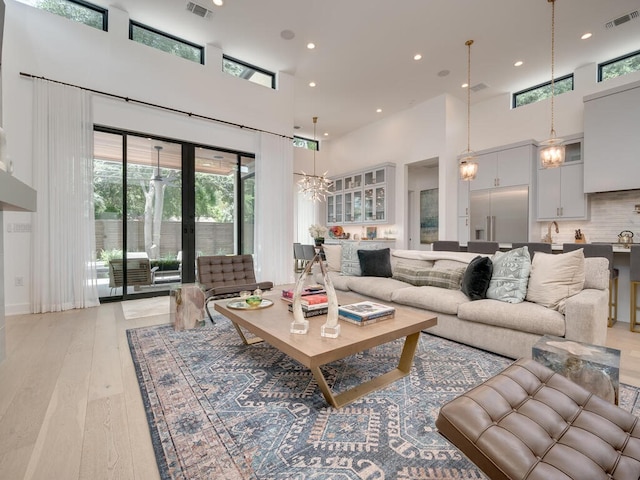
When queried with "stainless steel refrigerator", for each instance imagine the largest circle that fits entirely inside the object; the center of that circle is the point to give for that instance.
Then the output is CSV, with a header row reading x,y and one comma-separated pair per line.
x,y
500,214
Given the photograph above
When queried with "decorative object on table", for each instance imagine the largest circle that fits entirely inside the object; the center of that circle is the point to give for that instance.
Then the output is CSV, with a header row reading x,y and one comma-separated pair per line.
x,y
318,232
428,216
300,324
552,151
250,305
372,233
336,232
468,166
314,187
579,236
365,313
625,238
187,306
593,367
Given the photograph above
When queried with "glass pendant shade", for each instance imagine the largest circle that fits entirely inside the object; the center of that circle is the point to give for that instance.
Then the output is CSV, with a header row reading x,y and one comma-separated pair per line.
x,y
552,153
468,168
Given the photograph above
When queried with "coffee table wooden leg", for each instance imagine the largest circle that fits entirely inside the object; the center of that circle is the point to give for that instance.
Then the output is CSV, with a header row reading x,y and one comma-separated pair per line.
x,y
245,340
348,396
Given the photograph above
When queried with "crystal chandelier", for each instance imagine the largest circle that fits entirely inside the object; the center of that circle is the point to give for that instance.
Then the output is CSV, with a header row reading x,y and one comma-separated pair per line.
x,y
552,153
314,187
468,165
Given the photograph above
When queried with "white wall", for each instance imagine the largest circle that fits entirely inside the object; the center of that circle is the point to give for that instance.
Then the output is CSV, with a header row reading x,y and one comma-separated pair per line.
x,y
437,128
44,44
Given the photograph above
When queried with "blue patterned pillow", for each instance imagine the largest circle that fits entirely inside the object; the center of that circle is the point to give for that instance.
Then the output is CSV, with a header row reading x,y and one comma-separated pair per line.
x,y
510,275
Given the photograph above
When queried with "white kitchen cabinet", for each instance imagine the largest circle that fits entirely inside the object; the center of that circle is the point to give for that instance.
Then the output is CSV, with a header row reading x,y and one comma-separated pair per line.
x,y
363,197
463,198
506,167
560,190
463,230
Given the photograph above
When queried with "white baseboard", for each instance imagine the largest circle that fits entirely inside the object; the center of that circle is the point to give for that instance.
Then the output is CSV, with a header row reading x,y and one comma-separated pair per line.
x,y
17,309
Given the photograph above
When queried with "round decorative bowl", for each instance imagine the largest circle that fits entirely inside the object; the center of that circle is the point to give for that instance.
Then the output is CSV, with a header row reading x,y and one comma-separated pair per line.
x,y
253,301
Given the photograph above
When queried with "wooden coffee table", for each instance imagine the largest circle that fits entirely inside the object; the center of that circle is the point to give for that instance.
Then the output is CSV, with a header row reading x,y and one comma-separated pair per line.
x,y
312,350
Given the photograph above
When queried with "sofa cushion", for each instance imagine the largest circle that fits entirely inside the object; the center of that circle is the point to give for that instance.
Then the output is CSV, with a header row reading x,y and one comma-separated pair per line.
x,y
350,263
340,282
554,277
435,299
525,316
510,275
378,288
333,255
375,263
422,277
596,273
477,277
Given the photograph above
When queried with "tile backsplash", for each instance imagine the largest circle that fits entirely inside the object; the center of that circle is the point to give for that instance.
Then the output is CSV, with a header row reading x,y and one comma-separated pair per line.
x,y
610,213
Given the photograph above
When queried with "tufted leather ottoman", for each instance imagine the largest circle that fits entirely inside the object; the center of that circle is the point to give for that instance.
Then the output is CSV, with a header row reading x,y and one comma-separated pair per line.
x,y
530,423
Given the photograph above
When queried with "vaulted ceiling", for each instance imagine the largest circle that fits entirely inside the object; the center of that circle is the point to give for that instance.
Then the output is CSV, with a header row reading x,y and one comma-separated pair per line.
x,y
364,55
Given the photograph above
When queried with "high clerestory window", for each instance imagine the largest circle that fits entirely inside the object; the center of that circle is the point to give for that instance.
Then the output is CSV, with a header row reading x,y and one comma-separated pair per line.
x,y
252,73
542,91
165,42
619,66
301,142
76,10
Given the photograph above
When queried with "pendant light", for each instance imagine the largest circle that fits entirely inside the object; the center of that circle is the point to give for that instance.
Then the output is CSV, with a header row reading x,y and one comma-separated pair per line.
x,y
552,151
157,175
468,165
314,187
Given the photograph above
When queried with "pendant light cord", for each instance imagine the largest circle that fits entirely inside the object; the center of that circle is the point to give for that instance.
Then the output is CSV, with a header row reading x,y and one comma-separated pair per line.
x,y
553,42
468,43
315,146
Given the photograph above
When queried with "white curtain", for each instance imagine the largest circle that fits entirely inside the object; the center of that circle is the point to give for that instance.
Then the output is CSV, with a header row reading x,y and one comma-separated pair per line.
x,y
63,246
274,209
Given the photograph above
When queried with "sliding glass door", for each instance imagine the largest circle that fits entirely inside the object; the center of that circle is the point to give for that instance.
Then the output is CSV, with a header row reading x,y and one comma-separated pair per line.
x,y
159,204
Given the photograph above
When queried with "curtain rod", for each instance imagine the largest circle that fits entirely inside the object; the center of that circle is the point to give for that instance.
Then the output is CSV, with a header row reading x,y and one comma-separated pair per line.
x,y
161,107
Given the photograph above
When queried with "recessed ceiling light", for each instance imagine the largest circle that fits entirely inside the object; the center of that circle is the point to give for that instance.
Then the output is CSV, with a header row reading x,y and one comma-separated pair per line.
x,y
443,73
378,110
218,3
312,84
326,134
287,34
464,85
586,35
311,45
519,63
417,56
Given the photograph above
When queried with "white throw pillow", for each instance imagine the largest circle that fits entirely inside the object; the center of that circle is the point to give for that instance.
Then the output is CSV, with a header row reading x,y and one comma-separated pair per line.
x,y
510,275
333,254
555,277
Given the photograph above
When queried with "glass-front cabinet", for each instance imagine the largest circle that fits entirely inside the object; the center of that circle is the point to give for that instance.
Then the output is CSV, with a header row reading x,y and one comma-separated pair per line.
x,y
362,197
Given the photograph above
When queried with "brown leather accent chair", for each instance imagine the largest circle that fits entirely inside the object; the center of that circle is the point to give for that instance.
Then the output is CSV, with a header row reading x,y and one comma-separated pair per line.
x,y
225,276
529,422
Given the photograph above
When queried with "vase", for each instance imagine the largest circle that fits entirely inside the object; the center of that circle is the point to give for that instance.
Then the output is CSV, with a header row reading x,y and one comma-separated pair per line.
x,y
319,241
300,324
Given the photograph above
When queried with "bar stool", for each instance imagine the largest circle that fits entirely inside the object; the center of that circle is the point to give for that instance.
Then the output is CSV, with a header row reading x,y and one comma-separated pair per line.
x,y
446,245
482,247
533,247
634,280
601,250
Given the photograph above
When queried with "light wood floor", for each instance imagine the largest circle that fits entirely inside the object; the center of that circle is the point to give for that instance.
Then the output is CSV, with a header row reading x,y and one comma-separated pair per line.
x,y
70,406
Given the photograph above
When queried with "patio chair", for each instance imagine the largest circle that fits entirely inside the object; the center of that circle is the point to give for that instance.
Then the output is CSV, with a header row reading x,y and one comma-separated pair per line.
x,y
225,276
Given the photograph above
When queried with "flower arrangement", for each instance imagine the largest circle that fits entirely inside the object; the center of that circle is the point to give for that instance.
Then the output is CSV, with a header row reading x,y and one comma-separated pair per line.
x,y
317,231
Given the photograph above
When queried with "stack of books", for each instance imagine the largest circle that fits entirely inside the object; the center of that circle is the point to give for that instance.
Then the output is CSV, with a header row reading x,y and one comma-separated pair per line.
x,y
365,313
313,299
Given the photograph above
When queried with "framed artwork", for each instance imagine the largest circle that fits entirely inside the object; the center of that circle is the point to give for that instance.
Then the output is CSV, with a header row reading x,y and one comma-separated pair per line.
x,y
428,216
372,233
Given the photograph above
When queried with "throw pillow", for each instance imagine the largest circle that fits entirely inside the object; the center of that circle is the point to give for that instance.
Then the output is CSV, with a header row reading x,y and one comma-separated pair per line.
x,y
555,277
375,263
429,277
510,275
349,262
333,254
476,278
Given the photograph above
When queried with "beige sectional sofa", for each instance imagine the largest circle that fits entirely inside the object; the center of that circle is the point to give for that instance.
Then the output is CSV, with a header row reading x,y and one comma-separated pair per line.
x,y
509,329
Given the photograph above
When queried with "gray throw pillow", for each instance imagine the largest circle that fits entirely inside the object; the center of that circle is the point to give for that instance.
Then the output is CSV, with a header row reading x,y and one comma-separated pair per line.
x,y
510,275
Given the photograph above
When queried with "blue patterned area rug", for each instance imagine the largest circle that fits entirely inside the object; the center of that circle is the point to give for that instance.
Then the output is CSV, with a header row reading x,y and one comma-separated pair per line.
x,y
218,409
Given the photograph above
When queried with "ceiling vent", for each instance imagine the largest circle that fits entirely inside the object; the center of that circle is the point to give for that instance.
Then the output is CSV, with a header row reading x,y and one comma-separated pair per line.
x,y
199,10
479,87
616,22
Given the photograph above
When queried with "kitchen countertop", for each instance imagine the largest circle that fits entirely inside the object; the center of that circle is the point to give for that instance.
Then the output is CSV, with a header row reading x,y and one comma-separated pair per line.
x,y
557,247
